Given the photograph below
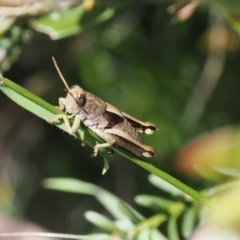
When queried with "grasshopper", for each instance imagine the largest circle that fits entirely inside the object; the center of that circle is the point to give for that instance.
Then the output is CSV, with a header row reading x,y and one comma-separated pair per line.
x,y
108,122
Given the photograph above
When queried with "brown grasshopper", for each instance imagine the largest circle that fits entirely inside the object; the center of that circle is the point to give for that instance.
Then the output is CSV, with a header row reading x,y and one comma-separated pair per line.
x,y
109,123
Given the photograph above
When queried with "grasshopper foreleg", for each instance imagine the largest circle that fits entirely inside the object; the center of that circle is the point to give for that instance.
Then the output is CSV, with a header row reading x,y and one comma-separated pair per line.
x,y
71,129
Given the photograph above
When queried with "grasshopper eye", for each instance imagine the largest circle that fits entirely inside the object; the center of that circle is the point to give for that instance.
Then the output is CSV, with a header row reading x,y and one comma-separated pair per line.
x,y
80,99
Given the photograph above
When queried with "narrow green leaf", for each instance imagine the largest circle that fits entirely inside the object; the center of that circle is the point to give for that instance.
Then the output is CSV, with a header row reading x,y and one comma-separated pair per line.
x,y
46,111
133,215
46,235
149,223
189,220
64,24
151,234
100,236
156,202
172,228
59,25
113,204
101,221
186,189
164,185
160,204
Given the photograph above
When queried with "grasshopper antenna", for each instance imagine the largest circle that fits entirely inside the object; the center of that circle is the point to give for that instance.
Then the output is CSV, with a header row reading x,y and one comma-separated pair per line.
x,y
60,74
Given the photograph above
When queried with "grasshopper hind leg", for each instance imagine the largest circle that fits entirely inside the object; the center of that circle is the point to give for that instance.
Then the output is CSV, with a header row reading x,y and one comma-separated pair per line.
x,y
105,136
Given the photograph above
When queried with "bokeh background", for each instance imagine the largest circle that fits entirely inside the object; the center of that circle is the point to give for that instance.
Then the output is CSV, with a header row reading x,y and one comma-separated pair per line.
x,y
173,63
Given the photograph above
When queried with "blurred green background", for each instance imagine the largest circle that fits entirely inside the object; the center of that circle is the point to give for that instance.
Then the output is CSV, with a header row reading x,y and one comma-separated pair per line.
x,y
156,60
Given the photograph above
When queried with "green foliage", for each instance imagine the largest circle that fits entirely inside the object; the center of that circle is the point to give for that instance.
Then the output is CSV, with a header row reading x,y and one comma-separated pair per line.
x,y
128,223
44,110
174,63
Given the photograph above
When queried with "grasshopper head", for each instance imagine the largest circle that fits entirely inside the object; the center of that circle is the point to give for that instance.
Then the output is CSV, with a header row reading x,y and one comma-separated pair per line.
x,y
78,94
75,100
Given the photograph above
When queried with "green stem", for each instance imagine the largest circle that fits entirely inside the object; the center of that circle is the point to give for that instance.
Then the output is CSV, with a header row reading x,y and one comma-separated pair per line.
x,y
46,111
